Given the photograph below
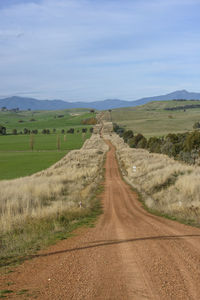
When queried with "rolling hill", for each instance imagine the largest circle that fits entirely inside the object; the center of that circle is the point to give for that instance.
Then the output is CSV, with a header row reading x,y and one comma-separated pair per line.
x,y
30,103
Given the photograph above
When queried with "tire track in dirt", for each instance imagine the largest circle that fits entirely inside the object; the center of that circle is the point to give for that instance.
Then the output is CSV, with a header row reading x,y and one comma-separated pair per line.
x,y
130,254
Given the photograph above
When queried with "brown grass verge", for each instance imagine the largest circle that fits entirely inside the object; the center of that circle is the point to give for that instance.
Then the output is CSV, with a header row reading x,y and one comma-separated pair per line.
x,y
167,186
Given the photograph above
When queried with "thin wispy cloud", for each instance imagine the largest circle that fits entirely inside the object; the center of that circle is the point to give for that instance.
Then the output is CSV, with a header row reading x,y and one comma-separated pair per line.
x,y
90,50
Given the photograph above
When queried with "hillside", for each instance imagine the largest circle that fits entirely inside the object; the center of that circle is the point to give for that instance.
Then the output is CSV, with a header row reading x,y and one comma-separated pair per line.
x,y
152,119
34,104
43,119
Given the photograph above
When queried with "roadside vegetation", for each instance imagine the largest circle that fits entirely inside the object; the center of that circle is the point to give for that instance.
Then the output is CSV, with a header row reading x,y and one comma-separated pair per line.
x,y
168,187
182,146
41,208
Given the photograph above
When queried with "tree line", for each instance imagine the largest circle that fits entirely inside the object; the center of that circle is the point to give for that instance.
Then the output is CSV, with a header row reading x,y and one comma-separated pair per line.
x,y
184,107
43,131
180,146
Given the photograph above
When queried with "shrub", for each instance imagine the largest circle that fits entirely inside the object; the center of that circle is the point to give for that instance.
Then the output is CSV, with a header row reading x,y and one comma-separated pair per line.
x,y
196,125
192,141
154,144
127,135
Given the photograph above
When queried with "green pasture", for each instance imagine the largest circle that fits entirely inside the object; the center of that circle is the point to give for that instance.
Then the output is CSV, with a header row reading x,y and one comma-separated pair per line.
x,y
42,141
43,119
18,164
17,159
16,155
152,120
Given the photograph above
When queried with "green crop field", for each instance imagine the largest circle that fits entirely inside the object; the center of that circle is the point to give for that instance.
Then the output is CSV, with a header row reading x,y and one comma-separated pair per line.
x,y
16,156
13,165
153,120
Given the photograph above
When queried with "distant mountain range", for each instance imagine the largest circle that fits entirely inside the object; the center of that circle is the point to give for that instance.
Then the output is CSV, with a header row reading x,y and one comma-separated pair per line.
x,y
30,103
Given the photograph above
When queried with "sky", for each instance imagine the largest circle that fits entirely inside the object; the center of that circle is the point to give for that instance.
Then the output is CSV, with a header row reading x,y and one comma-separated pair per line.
x,y
88,50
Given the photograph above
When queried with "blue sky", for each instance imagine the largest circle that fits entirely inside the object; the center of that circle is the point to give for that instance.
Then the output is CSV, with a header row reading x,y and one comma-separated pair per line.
x,y
97,49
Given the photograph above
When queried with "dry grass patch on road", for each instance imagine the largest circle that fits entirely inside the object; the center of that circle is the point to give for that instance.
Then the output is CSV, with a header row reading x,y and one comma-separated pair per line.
x,y
51,198
168,186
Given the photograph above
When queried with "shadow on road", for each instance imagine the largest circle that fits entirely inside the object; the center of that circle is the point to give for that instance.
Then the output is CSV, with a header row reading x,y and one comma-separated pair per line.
x,y
102,243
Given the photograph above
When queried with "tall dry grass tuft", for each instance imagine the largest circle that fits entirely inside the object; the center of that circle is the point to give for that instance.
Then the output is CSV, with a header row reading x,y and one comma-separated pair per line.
x,y
59,188
168,186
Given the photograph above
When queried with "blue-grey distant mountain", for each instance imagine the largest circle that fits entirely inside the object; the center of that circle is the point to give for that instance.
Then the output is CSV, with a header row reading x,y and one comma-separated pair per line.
x,y
29,103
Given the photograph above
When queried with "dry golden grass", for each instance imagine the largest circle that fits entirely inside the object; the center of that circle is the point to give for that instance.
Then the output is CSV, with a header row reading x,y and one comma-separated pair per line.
x,y
168,186
59,188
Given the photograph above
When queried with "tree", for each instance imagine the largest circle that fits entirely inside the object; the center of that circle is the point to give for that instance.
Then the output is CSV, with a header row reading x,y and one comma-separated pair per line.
x,y
127,135
34,131
192,141
138,141
14,131
71,130
196,125
44,131
154,144
2,130
26,131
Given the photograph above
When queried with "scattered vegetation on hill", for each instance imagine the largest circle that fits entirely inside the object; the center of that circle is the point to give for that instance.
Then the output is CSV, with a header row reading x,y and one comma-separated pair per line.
x,y
154,119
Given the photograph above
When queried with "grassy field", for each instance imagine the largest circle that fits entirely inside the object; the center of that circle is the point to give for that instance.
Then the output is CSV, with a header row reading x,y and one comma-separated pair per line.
x,y
153,120
14,165
43,119
16,157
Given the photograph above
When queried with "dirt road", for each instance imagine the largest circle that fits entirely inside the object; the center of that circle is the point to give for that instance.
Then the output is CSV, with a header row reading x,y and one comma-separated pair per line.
x,y
130,254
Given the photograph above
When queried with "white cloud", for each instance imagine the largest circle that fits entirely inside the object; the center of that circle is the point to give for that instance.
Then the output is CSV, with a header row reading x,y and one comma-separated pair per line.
x,y
94,49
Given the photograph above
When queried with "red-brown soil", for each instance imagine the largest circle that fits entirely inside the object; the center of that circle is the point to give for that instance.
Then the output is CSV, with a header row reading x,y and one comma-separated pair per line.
x,y
129,254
